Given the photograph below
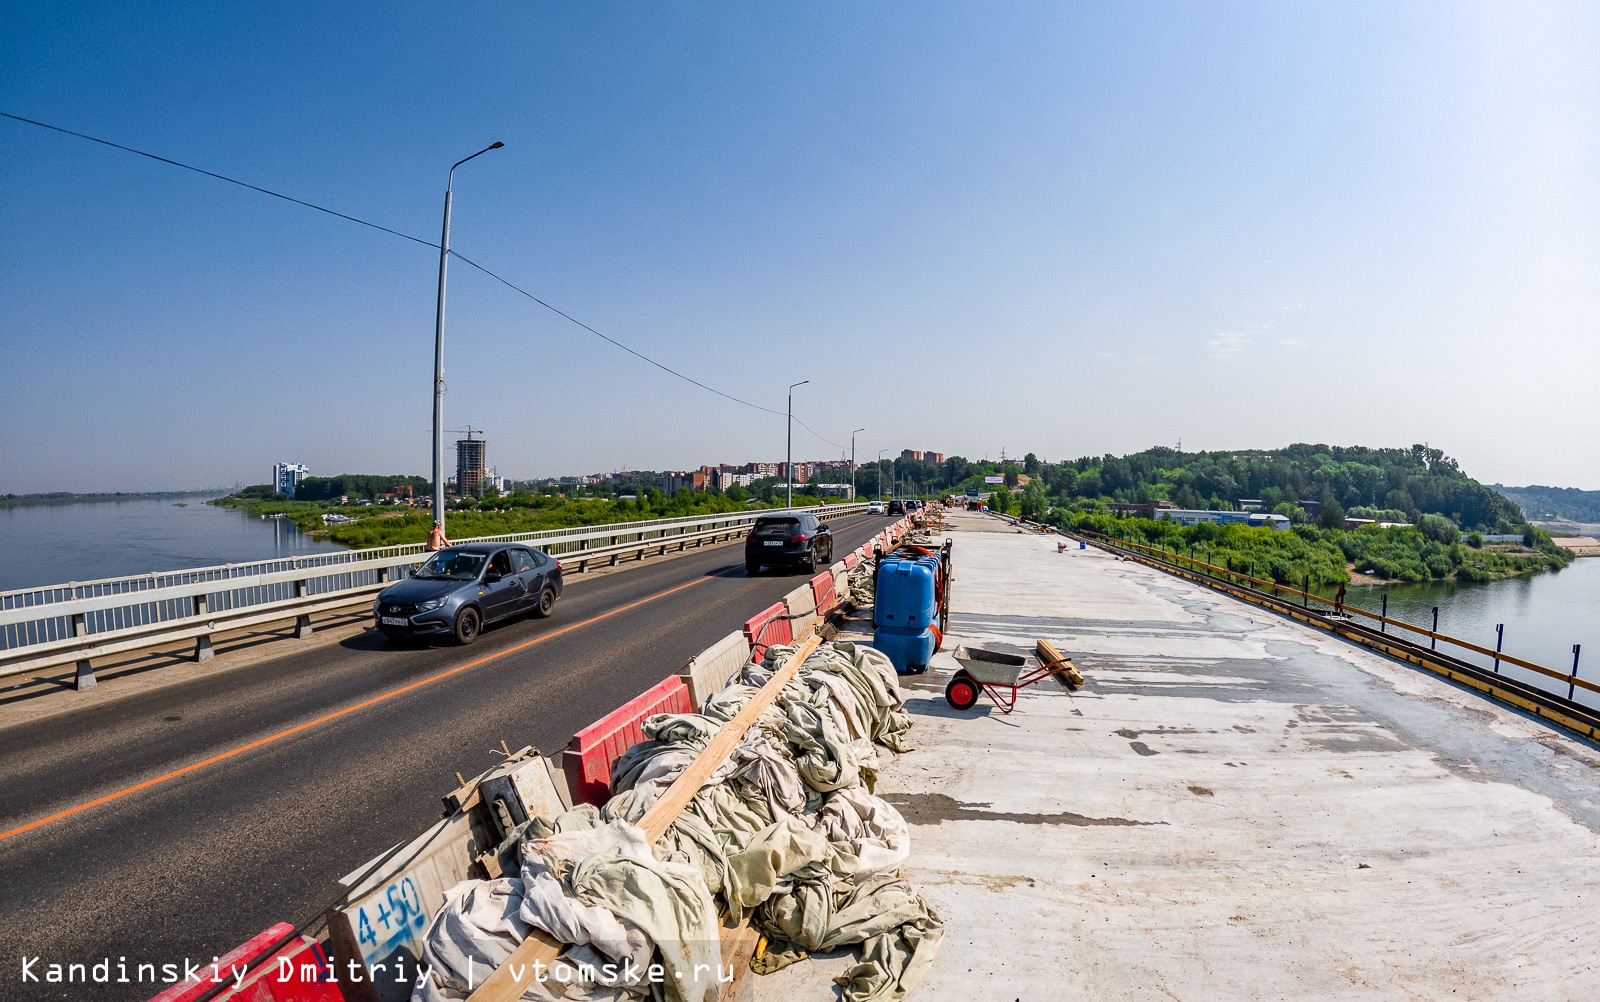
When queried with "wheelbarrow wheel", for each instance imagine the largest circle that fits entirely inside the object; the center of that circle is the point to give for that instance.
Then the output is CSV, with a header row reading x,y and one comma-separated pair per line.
x,y
962,692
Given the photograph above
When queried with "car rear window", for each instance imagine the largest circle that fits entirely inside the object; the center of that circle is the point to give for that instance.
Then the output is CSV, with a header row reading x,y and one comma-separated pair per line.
x,y
775,526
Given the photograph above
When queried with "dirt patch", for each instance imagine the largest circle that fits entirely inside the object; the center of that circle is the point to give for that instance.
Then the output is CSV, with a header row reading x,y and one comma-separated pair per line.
x,y
1200,791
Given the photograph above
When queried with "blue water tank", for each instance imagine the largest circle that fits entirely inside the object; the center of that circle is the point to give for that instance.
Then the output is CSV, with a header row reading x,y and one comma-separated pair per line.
x,y
905,611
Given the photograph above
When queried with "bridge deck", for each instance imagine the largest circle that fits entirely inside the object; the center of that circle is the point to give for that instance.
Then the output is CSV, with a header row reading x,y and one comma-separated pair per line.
x,y
1234,806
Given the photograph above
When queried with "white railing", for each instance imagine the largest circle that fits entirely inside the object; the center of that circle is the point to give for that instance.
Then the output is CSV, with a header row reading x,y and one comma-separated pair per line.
x,y
51,625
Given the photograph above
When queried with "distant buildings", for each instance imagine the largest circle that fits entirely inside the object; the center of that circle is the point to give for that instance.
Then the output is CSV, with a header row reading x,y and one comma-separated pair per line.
x,y
472,464
910,454
287,476
1194,516
933,457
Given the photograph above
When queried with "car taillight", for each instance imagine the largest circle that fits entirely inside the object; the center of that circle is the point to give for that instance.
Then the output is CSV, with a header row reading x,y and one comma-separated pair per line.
x,y
558,565
800,538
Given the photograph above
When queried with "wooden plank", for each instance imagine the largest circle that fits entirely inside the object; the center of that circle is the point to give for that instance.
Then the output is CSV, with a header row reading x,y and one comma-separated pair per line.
x,y
502,985
1050,656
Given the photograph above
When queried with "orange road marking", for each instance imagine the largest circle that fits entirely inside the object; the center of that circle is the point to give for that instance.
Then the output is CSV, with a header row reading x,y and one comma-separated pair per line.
x,y
335,715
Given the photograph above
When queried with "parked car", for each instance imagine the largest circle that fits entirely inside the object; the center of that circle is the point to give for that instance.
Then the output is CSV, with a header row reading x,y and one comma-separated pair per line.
x,y
795,540
460,590
875,508
897,507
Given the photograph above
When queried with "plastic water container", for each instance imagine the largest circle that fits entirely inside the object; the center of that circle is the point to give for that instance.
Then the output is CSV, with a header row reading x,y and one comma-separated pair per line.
x,y
905,593
906,611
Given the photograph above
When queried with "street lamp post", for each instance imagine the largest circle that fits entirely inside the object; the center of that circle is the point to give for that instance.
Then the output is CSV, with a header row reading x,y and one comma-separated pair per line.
x,y
853,463
788,449
438,349
880,473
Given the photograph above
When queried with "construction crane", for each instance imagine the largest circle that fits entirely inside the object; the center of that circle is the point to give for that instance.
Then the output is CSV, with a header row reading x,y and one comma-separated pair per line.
x,y
468,431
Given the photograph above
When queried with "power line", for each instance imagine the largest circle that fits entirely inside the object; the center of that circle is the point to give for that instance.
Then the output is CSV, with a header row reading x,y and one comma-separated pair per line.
x,y
417,240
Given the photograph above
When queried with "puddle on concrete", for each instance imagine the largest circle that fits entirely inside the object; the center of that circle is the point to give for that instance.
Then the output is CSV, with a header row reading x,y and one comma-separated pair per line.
x,y
935,808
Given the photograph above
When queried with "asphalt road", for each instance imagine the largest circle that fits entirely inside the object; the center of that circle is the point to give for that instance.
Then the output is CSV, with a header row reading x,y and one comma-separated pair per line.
x,y
192,865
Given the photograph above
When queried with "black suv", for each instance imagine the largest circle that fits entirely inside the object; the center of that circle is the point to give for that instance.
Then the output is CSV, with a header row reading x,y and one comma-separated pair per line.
x,y
792,540
897,507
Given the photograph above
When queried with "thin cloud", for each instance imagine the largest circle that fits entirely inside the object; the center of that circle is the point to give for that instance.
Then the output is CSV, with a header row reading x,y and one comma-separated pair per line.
x,y
1228,344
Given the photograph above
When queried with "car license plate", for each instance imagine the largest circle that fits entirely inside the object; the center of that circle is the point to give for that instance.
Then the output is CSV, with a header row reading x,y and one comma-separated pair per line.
x,y
774,542
395,621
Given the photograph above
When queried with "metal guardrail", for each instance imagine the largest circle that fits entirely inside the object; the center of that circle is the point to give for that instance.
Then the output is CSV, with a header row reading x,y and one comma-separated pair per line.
x,y
52,625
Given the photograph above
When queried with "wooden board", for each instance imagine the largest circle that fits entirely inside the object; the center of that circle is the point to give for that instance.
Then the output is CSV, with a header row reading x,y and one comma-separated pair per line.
x,y
502,985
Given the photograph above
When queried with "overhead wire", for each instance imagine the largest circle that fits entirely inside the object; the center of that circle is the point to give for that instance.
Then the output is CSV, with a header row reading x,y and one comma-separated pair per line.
x,y
424,242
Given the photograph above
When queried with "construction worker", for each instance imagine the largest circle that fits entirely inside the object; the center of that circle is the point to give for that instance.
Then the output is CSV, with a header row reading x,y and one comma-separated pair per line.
x,y
436,540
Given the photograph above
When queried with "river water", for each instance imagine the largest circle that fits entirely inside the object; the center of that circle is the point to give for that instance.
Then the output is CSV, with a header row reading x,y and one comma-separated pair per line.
x,y
56,543
1544,615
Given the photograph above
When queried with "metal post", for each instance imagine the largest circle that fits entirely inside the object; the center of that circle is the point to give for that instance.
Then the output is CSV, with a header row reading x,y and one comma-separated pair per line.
x,y
1433,638
85,675
1305,596
302,623
1572,680
438,345
202,643
1383,617
853,463
788,451
1499,637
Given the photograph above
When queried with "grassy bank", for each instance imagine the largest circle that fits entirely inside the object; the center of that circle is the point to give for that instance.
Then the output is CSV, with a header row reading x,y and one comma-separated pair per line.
x,y
387,525
1327,556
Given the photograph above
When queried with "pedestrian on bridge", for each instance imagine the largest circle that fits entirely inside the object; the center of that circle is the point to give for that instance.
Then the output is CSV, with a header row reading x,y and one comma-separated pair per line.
x,y
436,540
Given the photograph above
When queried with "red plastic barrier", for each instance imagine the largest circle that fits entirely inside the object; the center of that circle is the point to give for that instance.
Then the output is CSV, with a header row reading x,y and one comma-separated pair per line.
x,y
587,760
850,560
276,979
822,591
768,627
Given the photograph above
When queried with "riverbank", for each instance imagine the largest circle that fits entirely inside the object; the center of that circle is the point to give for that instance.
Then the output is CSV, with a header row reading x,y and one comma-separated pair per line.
x,y
1307,555
66,497
380,524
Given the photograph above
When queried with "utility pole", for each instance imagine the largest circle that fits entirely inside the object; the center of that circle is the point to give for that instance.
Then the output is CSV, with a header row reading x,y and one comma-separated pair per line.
x,y
438,347
853,463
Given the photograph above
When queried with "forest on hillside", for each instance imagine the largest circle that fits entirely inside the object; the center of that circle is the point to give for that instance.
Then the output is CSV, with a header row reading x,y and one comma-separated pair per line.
x,y
1555,502
1413,482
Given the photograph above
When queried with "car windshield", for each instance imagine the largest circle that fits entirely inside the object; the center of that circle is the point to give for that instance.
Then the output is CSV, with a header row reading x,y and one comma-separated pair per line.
x,y
447,565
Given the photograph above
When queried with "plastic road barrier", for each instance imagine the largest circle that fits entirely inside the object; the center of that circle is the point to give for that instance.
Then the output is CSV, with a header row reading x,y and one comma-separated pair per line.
x,y
587,761
768,627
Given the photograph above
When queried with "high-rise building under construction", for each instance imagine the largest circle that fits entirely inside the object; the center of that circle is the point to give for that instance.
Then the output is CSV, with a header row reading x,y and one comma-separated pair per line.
x,y
472,466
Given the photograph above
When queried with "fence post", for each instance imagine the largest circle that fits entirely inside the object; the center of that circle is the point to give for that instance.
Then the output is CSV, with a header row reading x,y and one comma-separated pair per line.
x,y
1305,596
302,623
1572,680
202,644
1433,634
85,678
1383,617
1499,637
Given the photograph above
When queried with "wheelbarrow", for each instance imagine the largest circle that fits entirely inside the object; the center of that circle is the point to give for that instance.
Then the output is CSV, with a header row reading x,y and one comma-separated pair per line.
x,y
1000,675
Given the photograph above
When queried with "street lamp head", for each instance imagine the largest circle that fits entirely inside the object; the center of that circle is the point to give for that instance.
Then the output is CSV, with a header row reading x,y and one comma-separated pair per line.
x,y
800,383
496,146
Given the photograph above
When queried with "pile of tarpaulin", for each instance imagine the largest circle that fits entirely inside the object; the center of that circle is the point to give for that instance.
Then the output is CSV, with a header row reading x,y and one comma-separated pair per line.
x,y
788,825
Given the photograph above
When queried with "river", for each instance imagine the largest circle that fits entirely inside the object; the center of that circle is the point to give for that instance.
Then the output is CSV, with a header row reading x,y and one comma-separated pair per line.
x,y
1544,615
55,543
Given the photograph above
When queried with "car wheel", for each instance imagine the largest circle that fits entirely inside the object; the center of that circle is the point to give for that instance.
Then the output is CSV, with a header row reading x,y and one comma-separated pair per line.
x,y
752,568
467,626
547,603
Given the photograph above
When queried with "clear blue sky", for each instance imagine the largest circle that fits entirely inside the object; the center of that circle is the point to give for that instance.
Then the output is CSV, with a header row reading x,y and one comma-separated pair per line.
x,y
1065,228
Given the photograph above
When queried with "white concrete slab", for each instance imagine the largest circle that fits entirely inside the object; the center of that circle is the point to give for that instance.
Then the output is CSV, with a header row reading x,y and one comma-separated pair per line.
x,y
1234,807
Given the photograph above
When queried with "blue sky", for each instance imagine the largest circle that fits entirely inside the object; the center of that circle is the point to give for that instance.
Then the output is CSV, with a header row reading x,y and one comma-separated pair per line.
x,y
1066,228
